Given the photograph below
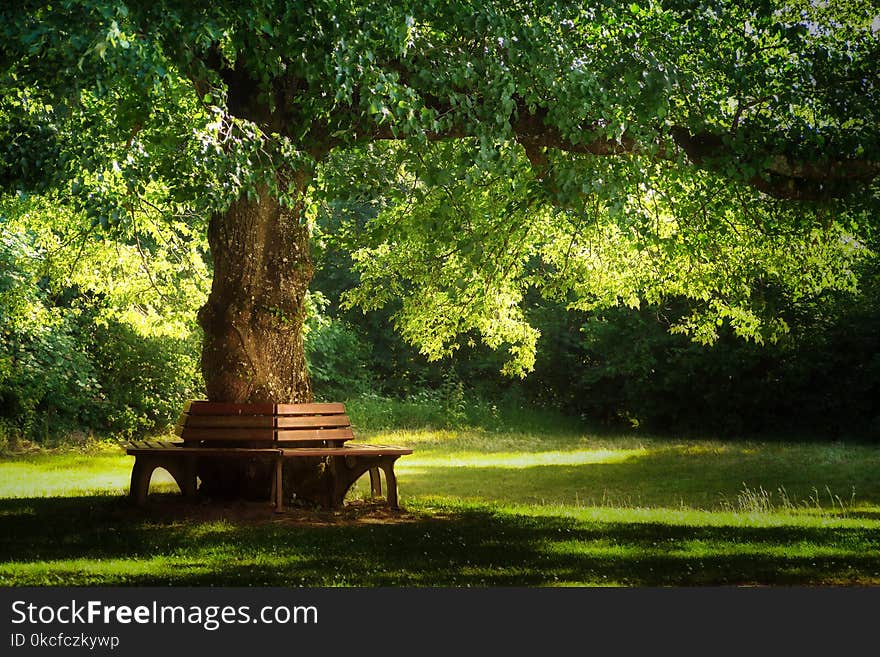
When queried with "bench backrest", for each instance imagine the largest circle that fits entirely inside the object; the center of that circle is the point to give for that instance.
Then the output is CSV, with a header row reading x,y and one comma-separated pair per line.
x,y
204,422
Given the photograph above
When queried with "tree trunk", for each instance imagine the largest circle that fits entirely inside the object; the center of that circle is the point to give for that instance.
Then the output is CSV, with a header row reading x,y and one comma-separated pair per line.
x,y
253,320
253,326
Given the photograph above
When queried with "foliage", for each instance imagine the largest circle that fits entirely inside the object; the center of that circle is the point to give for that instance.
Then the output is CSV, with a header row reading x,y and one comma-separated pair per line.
x,y
463,255
491,161
622,364
601,154
46,377
339,359
95,334
625,366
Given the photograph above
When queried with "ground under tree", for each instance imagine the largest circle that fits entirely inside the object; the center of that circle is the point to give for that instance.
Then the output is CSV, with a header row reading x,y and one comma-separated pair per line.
x,y
778,101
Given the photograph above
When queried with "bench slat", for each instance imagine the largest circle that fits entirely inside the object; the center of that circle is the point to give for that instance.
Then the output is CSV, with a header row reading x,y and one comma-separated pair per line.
x,y
202,407
348,450
285,436
382,448
219,408
230,421
204,451
310,409
223,433
291,422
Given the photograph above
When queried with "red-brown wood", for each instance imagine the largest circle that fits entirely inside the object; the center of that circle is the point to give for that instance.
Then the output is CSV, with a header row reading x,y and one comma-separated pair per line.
x,y
220,408
230,421
276,431
348,450
204,451
295,435
310,409
221,433
201,407
296,421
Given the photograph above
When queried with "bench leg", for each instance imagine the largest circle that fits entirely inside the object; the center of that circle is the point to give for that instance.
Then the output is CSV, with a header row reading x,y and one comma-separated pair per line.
x,y
141,473
337,482
278,485
391,482
181,468
375,483
189,485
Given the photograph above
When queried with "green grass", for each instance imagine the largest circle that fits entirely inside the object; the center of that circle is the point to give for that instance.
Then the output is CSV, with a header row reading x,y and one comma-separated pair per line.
x,y
508,504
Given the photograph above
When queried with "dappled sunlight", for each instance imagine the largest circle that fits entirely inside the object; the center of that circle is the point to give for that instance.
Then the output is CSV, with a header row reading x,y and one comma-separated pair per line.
x,y
566,469
444,543
480,509
204,530
468,439
701,518
519,460
413,436
672,475
687,549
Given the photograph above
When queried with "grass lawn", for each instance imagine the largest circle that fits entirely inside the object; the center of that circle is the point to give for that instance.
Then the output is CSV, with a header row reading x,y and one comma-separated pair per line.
x,y
506,506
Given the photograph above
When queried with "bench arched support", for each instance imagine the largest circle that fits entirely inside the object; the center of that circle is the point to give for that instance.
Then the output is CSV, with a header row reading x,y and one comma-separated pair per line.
x,y
347,470
183,471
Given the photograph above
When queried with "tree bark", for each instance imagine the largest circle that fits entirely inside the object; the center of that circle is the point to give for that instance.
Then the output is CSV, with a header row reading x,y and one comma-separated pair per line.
x,y
253,320
253,325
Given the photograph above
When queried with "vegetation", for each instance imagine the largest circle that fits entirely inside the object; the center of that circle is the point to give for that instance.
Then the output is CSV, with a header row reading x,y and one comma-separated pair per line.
x,y
97,332
485,225
528,501
596,155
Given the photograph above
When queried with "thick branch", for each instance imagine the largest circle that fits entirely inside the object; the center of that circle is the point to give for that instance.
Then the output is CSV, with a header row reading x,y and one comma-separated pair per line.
x,y
782,178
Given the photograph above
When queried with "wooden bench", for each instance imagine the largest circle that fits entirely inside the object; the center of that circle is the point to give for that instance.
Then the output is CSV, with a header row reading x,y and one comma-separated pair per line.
x,y
274,432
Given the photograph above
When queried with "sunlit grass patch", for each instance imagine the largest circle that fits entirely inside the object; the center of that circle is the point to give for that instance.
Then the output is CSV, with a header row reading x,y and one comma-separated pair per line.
x,y
72,473
480,440
483,508
520,460
96,571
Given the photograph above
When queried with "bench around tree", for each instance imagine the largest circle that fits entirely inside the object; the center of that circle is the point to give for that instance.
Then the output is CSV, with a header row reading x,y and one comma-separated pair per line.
x,y
274,432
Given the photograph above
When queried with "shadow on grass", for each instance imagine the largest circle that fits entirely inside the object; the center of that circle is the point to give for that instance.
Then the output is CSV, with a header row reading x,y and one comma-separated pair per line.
x,y
102,540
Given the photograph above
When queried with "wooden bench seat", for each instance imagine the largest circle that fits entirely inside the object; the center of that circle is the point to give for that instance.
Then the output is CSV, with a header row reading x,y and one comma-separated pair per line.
x,y
275,432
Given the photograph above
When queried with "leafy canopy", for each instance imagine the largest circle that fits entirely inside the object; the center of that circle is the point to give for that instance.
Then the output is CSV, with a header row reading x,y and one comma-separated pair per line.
x,y
599,153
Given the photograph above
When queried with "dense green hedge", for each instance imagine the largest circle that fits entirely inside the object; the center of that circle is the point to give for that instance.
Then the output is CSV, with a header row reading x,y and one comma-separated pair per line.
x,y
67,366
821,379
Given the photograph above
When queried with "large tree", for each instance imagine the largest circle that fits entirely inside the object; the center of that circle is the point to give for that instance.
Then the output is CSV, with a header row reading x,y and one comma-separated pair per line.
x,y
601,152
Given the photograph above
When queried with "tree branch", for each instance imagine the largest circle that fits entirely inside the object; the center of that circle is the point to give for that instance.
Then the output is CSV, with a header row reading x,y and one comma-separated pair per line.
x,y
783,178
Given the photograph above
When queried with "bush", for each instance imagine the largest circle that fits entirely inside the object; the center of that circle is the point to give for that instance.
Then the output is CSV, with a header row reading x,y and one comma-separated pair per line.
x,y
69,363
144,381
623,366
338,358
